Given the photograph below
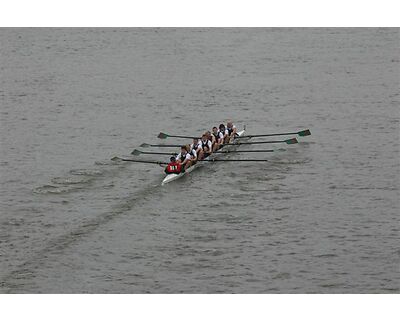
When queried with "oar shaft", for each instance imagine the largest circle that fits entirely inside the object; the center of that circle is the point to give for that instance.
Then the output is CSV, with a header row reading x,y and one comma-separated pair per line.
x,y
243,151
204,160
184,137
302,133
233,160
160,153
141,161
256,142
166,145
268,135
163,135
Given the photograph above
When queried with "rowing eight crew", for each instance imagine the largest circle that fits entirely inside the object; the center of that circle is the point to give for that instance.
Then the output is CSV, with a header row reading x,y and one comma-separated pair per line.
x,y
201,148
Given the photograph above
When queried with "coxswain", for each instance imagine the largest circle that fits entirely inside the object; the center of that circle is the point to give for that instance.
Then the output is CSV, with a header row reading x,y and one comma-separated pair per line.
x,y
224,133
231,128
218,139
196,146
206,145
173,167
184,157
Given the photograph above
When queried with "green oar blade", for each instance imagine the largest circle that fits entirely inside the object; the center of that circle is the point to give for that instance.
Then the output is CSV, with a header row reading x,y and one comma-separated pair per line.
x,y
162,135
115,158
304,133
144,145
136,152
291,141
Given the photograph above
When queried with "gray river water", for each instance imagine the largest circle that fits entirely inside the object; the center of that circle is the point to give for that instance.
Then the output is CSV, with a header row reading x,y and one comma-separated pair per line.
x,y
321,217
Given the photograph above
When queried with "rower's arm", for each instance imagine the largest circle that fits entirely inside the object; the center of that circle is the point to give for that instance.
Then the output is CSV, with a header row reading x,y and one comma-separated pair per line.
x,y
187,158
221,139
233,134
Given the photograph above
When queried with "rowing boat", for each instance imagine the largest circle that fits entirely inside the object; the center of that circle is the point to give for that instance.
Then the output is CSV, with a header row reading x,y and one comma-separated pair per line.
x,y
227,148
173,176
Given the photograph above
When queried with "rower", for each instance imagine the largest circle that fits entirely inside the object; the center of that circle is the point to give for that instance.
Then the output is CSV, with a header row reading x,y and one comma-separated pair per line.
x,y
206,146
224,133
218,138
196,146
232,131
184,157
193,154
174,167
210,137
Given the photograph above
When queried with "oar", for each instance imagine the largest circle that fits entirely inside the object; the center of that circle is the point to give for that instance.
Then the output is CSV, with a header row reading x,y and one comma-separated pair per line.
x,y
146,145
245,151
302,133
233,160
141,161
289,141
204,160
163,135
137,152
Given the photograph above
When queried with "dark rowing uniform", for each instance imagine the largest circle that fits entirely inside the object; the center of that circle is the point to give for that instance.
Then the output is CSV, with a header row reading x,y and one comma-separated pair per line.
x,y
230,130
207,147
218,136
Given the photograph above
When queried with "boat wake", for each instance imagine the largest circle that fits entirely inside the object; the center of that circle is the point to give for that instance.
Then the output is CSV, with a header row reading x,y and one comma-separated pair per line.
x,y
19,279
78,179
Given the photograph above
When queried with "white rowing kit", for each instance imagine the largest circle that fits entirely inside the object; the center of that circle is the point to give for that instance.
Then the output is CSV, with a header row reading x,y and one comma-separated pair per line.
x,y
193,153
187,157
192,147
206,144
220,135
